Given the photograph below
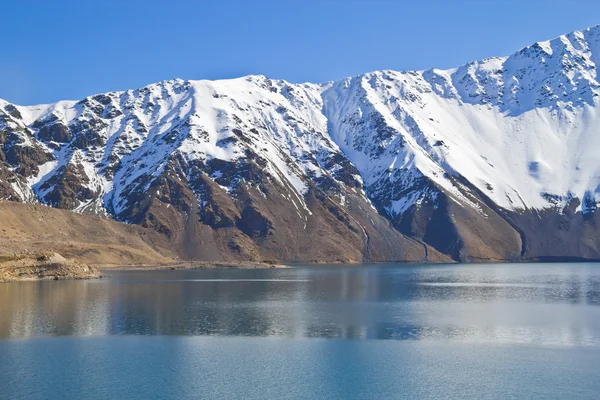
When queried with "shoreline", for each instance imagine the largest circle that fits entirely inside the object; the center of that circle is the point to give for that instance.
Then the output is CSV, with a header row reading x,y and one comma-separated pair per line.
x,y
193,265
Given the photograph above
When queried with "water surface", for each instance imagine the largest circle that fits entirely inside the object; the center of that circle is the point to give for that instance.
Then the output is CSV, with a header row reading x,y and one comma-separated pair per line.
x,y
488,331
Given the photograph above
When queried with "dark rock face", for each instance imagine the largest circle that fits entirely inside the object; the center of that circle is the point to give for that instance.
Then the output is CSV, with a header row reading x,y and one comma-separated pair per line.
x,y
432,223
495,234
19,151
13,111
66,188
55,132
467,233
7,178
26,159
88,134
550,235
346,172
253,223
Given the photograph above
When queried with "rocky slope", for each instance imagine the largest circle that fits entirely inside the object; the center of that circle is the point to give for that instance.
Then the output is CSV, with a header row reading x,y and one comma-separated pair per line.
x,y
494,160
27,229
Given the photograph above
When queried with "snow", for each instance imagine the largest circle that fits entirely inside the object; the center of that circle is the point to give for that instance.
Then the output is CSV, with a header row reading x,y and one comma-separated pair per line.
x,y
45,170
491,136
25,193
522,129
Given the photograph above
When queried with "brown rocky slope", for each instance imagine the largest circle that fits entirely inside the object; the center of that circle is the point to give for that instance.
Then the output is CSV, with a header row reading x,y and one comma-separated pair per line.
x,y
164,236
31,229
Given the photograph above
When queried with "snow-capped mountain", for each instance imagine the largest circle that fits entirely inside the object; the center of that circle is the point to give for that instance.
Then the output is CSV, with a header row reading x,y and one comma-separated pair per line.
x,y
496,159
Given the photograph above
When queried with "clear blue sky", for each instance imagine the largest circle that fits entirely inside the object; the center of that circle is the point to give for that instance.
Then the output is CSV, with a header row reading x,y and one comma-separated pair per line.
x,y
63,49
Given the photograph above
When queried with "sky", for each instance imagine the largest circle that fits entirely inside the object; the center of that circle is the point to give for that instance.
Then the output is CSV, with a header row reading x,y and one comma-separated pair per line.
x,y
63,49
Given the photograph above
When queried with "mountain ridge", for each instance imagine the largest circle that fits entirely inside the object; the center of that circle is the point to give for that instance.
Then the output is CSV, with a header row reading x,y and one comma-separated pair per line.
x,y
464,162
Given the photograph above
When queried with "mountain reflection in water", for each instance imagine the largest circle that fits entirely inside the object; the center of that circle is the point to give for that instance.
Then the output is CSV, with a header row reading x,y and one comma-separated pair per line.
x,y
553,304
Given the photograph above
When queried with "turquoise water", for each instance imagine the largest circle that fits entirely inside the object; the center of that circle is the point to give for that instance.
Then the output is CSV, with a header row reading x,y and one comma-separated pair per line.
x,y
430,332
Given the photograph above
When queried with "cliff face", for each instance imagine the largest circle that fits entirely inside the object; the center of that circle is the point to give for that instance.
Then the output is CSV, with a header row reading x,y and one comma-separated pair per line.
x,y
494,160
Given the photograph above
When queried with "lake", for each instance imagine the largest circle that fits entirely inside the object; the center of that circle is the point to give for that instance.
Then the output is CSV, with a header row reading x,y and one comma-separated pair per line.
x,y
504,331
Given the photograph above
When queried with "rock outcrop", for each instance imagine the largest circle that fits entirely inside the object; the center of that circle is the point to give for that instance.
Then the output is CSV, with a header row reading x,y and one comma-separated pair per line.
x,y
47,266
